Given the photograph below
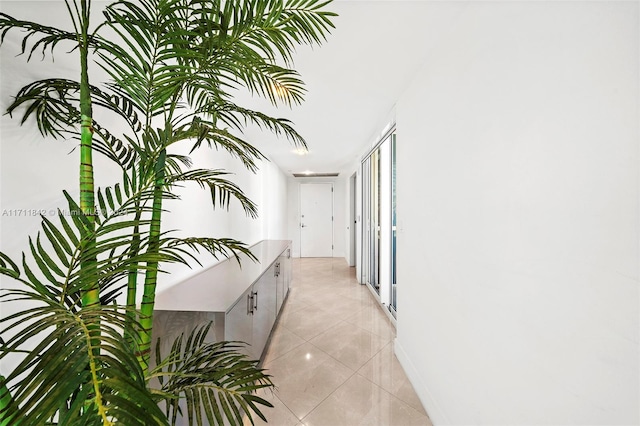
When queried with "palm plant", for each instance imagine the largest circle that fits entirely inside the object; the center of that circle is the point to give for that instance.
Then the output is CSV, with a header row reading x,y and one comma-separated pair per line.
x,y
172,67
181,61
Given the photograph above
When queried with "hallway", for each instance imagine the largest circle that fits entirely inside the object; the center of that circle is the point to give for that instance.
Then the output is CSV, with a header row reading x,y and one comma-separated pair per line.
x,y
331,355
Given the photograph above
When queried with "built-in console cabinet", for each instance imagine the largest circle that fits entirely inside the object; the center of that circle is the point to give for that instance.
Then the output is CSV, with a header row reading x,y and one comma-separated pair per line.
x,y
242,301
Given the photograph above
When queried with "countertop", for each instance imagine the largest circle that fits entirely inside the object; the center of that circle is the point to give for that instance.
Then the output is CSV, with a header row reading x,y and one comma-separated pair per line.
x,y
217,288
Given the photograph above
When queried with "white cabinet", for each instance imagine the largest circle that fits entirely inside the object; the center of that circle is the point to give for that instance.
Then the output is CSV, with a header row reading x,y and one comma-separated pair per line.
x,y
280,290
251,319
283,277
243,302
238,322
264,310
287,271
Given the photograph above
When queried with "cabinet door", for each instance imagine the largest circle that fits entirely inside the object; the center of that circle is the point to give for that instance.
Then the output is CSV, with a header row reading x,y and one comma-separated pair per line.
x,y
286,270
285,273
281,292
238,323
264,310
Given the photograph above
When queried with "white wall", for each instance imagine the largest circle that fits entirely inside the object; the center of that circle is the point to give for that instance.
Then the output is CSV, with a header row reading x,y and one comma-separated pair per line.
x,y
273,208
340,212
518,193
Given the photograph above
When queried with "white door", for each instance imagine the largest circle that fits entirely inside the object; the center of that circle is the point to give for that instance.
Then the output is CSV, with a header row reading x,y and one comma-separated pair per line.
x,y
316,220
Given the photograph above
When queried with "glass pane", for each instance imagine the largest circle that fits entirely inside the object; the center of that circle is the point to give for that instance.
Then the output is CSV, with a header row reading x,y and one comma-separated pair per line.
x,y
374,276
366,219
379,221
393,225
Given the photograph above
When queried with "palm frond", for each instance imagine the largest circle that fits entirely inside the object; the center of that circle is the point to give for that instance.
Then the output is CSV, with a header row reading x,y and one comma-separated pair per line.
x,y
242,41
229,112
60,250
203,46
45,37
176,162
123,153
214,379
8,267
111,385
54,103
199,131
222,190
238,117
145,65
217,247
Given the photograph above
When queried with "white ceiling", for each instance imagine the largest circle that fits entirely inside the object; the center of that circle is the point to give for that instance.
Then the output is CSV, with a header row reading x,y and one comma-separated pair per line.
x,y
355,79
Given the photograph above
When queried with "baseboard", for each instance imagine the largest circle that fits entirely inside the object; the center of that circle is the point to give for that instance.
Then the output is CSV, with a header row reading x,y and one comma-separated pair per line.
x,y
437,416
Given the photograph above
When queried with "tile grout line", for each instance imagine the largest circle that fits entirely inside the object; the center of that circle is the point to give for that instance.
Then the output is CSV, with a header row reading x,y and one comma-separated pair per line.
x,y
372,314
354,372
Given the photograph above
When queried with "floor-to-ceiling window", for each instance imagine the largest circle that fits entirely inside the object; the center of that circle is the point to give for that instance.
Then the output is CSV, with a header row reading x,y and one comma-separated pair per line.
x,y
393,305
365,261
379,220
375,219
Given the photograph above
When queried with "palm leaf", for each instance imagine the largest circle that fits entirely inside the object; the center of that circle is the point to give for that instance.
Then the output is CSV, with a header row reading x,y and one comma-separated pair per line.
x,y
222,190
226,247
144,64
54,103
248,37
45,37
64,360
213,379
60,251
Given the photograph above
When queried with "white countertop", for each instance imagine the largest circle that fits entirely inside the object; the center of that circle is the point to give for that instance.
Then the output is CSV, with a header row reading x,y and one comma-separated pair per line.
x,y
217,288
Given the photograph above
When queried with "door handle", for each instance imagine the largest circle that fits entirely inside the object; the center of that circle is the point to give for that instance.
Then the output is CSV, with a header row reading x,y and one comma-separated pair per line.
x,y
255,301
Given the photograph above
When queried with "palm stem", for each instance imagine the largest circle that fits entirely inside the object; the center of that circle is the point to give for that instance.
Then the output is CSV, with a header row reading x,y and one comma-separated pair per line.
x,y
151,275
91,294
90,289
132,279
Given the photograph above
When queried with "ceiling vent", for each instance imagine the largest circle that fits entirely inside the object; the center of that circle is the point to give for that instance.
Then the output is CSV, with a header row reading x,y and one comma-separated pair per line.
x,y
313,174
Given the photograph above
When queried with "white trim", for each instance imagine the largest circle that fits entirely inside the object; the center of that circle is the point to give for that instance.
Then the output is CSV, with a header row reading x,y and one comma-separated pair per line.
x,y
435,413
374,293
393,319
389,129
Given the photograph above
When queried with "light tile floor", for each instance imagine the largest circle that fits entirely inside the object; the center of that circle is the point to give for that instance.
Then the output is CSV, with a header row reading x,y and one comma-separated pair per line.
x,y
331,355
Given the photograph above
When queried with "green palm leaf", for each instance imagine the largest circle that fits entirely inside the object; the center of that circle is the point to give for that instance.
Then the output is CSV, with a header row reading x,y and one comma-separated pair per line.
x,y
222,190
213,379
64,361
55,105
226,247
45,37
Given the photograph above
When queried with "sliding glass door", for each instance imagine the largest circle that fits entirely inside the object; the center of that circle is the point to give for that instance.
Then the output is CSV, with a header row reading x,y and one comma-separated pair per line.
x,y
393,302
378,225
371,243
